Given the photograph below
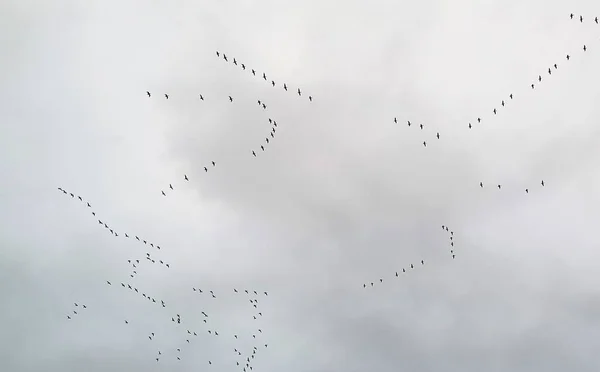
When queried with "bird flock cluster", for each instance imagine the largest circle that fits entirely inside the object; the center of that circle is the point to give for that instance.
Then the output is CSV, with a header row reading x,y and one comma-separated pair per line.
x,y
264,75
190,330
242,358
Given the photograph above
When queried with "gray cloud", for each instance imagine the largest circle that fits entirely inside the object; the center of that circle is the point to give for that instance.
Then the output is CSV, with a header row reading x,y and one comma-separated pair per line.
x,y
342,196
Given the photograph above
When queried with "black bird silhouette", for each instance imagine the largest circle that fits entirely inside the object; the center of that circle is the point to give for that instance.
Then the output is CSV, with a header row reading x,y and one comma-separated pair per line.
x,y
225,57
310,98
438,135
230,99
580,18
542,182
481,184
499,187
185,177
421,125
253,72
253,153
234,62
202,98
539,77
479,120
527,191
408,121
266,139
532,86
213,163
555,66
568,57
166,96
502,103
284,86
584,48
273,82
243,66
511,96
148,93
596,20
265,76
299,93
424,144
262,147
469,125
217,53
494,111
205,169
171,186
549,71
89,206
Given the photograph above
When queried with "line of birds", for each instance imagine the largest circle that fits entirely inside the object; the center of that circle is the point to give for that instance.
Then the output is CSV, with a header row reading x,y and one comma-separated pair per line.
x,y
499,186
581,18
503,102
264,75
107,227
263,147
451,236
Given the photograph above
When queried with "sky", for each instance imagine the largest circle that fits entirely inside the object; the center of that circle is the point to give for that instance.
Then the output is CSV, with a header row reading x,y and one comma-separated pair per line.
x,y
342,196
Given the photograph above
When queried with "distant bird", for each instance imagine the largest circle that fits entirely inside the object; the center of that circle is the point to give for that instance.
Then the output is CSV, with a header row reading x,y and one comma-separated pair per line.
x,y
253,72
424,144
148,93
532,86
408,121
422,262
205,169
539,77
421,125
527,191
108,282
596,20
469,125
299,93
555,66
264,106
284,86
253,153
243,66
225,57
438,135
166,96
584,48
213,163
230,99
479,120
499,187
580,18
494,111
480,184
549,71
202,98
511,96
568,57
126,322
265,76
171,186
262,147
542,182
310,98
502,103
185,177
217,53
234,62
272,82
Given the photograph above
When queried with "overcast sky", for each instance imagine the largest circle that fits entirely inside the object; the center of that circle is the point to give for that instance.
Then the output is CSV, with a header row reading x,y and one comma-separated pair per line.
x,y
342,196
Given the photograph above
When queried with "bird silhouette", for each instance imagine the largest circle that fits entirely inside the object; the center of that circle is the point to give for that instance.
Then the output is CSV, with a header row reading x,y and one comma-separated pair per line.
x,y
148,93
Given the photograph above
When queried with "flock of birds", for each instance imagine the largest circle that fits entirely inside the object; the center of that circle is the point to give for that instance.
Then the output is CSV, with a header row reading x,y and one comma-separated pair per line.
x,y
188,330
503,102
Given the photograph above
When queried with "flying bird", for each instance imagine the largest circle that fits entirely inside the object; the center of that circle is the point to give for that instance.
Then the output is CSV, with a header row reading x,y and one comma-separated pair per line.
x,y
148,93
424,144
299,93
185,177
166,96
230,99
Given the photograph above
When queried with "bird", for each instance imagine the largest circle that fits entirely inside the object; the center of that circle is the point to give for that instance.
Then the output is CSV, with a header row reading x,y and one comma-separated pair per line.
x,y
243,66
494,111
262,147
502,103
469,125
539,77
584,48
217,53
265,76
580,18
527,191
424,144
549,71
108,282
542,182
205,169
230,99
171,186
253,72
479,120
422,262
568,57
499,187
596,20
148,93
299,93
408,121
234,62
213,163
310,98
225,57
253,153
421,125
273,82
511,96
481,184
166,96
555,66
438,135
202,98
284,86
264,106
532,86
185,177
